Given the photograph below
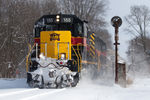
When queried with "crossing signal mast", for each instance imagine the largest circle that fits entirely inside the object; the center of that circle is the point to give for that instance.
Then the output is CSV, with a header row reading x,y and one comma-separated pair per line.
x,y
116,22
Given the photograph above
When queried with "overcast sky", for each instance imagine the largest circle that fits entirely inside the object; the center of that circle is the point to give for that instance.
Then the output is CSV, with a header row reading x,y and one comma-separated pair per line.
x,y
122,8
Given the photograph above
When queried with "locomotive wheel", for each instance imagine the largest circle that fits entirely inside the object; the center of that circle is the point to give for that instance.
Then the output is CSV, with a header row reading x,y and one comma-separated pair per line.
x,y
31,84
76,80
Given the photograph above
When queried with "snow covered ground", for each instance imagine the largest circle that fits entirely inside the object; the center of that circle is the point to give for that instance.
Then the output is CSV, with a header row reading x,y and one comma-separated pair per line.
x,y
17,89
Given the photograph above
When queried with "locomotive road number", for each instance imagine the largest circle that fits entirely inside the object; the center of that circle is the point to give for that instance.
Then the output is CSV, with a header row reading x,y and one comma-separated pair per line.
x,y
67,20
50,20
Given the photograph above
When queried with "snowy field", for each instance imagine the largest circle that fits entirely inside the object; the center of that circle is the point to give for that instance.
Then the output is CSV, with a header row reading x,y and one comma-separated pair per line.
x,y
17,89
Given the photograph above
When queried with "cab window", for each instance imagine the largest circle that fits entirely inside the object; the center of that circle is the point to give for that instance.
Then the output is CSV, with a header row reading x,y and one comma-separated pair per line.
x,y
78,29
37,32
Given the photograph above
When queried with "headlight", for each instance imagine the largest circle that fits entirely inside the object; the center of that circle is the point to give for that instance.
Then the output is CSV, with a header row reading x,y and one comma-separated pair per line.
x,y
63,56
57,16
42,56
57,20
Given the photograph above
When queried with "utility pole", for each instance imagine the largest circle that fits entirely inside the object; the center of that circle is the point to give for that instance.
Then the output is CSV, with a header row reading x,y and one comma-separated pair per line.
x,y
116,22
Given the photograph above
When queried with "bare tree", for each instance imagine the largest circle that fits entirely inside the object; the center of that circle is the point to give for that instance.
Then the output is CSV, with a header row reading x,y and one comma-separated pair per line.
x,y
17,19
139,60
139,22
49,7
90,10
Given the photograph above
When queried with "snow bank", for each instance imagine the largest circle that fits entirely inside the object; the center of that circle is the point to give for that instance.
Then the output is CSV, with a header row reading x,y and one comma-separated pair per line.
x,y
12,83
85,90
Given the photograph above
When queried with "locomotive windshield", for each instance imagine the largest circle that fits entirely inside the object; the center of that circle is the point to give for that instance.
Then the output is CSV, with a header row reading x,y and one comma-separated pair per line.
x,y
65,23
54,27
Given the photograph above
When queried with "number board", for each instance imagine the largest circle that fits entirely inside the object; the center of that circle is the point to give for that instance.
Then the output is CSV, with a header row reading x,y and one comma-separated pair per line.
x,y
50,20
63,20
66,20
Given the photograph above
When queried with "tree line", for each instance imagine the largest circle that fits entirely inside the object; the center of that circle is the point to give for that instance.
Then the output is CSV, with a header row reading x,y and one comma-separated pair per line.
x,y
138,22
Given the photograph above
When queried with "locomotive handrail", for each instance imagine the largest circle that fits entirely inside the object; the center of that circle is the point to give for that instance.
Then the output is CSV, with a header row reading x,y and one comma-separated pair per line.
x,y
63,43
98,63
77,58
79,55
27,57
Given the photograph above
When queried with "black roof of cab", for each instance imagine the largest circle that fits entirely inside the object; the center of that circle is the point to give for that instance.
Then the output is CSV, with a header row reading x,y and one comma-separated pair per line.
x,y
64,18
